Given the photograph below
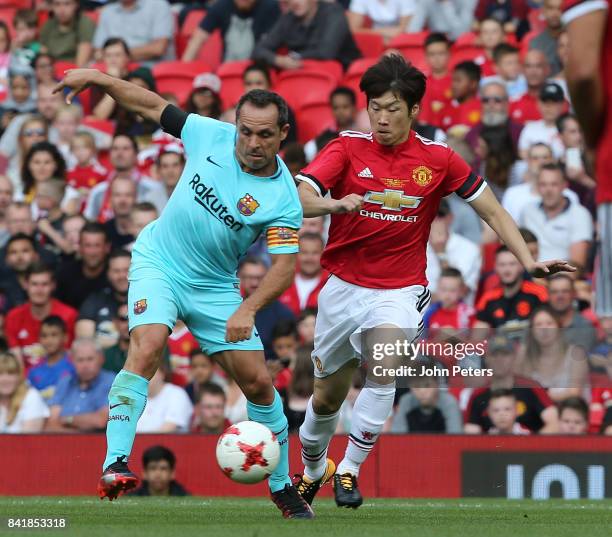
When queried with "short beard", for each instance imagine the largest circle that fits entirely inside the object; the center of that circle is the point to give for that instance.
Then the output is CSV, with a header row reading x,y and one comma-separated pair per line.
x,y
494,119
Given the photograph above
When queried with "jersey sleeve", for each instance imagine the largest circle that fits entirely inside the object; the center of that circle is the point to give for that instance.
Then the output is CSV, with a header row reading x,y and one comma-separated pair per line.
x,y
282,233
327,167
461,179
573,9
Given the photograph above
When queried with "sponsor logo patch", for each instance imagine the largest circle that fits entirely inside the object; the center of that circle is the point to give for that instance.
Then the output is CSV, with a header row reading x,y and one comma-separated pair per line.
x,y
140,306
247,205
422,175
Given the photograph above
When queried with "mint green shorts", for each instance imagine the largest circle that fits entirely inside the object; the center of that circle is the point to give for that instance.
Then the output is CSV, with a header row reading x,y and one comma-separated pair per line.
x,y
156,298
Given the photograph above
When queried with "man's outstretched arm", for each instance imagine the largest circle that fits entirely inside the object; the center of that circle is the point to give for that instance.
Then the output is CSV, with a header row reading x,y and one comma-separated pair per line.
x,y
490,210
136,99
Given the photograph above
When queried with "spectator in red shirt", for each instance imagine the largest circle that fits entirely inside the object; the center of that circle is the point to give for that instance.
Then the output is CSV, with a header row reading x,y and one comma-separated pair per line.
x,y
310,278
450,311
87,172
536,70
22,324
464,110
284,346
438,94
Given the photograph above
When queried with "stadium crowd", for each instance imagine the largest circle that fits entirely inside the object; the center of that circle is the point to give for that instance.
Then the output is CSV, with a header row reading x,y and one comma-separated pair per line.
x,y
78,182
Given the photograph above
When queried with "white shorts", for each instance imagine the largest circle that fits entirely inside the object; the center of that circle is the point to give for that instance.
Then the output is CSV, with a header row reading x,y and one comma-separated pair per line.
x,y
345,310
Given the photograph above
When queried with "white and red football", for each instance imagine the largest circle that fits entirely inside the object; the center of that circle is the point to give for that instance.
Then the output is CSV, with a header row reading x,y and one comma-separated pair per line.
x,y
248,452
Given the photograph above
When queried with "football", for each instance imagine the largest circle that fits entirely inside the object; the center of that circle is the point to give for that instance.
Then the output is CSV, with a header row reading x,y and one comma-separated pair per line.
x,y
248,452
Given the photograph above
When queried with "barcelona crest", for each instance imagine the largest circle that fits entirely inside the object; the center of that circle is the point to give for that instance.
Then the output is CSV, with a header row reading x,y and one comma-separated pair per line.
x,y
140,306
247,205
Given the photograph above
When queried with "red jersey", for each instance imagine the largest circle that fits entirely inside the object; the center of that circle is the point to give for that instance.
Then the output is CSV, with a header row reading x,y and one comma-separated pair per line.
x,y
22,330
437,97
467,113
180,345
458,317
383,246
573,10
84,178
486,64
525,109
291,298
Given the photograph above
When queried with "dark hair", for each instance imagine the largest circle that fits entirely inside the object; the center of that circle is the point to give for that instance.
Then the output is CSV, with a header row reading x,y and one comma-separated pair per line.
x,y
501,249
284,328
451,272
394,73
198,352
561,276
38,267
94,227
39,56
27,16
163,153
501,154
158,453
307,312
261,99
129,137
293,152
324,138
552,167
55,321
436,37
312,237
470,69
118,253
562,119
251,260
260,68
145,206
501,392
20,237
344,91
528,236
575,403
211,388
503,49
215,109
116,41
42,147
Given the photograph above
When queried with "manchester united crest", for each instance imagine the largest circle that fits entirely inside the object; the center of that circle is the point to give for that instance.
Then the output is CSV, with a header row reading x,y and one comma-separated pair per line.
x,y
247,205
422,175
140,306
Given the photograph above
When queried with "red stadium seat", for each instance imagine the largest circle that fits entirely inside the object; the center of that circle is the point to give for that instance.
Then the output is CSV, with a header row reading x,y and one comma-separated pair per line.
x,y
232,87
408,40
466,40
6,15
370,45
465,54
103,125
312,119
353,77
176,77
537,22
192,21
302,87
212,51
331,67
16,4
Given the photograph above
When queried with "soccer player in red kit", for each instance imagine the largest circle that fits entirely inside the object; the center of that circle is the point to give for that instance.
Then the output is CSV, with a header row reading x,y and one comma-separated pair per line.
x,y
589,79
385,190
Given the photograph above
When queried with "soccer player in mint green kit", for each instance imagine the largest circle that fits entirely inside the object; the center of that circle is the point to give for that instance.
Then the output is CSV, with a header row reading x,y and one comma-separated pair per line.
x,y
234,187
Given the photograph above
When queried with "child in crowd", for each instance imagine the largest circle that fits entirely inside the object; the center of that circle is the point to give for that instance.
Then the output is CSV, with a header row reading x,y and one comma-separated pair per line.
x,y
86,171
573,416
438,94
306,326
48,200
66,123
285,345
450,311
508,66
55,364
25,44
202,367
464,111
502,413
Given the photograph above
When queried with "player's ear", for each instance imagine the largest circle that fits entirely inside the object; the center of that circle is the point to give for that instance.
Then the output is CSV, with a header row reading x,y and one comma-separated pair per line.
x,y
414,111
284,131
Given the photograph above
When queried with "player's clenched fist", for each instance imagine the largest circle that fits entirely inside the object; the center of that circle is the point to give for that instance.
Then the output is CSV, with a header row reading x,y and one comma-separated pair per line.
x,y
347,204
239,326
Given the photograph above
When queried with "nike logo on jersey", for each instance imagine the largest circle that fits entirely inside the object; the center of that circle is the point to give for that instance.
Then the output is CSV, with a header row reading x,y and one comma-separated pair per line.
x,y
118,404
256,333
366,174
209,159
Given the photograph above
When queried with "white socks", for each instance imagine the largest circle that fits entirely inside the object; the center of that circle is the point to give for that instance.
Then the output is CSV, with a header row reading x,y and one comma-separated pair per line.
x,y
373,406
315,435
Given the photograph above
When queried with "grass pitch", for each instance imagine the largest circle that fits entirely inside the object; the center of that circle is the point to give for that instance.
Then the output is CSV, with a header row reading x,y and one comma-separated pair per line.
x,y
220,517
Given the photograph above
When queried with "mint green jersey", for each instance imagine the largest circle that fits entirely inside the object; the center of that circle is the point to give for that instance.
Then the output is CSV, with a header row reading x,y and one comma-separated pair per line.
x,y
217,211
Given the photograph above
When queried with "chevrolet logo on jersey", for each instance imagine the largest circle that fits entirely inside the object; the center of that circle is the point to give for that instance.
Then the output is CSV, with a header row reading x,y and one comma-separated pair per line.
x,y
393,200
